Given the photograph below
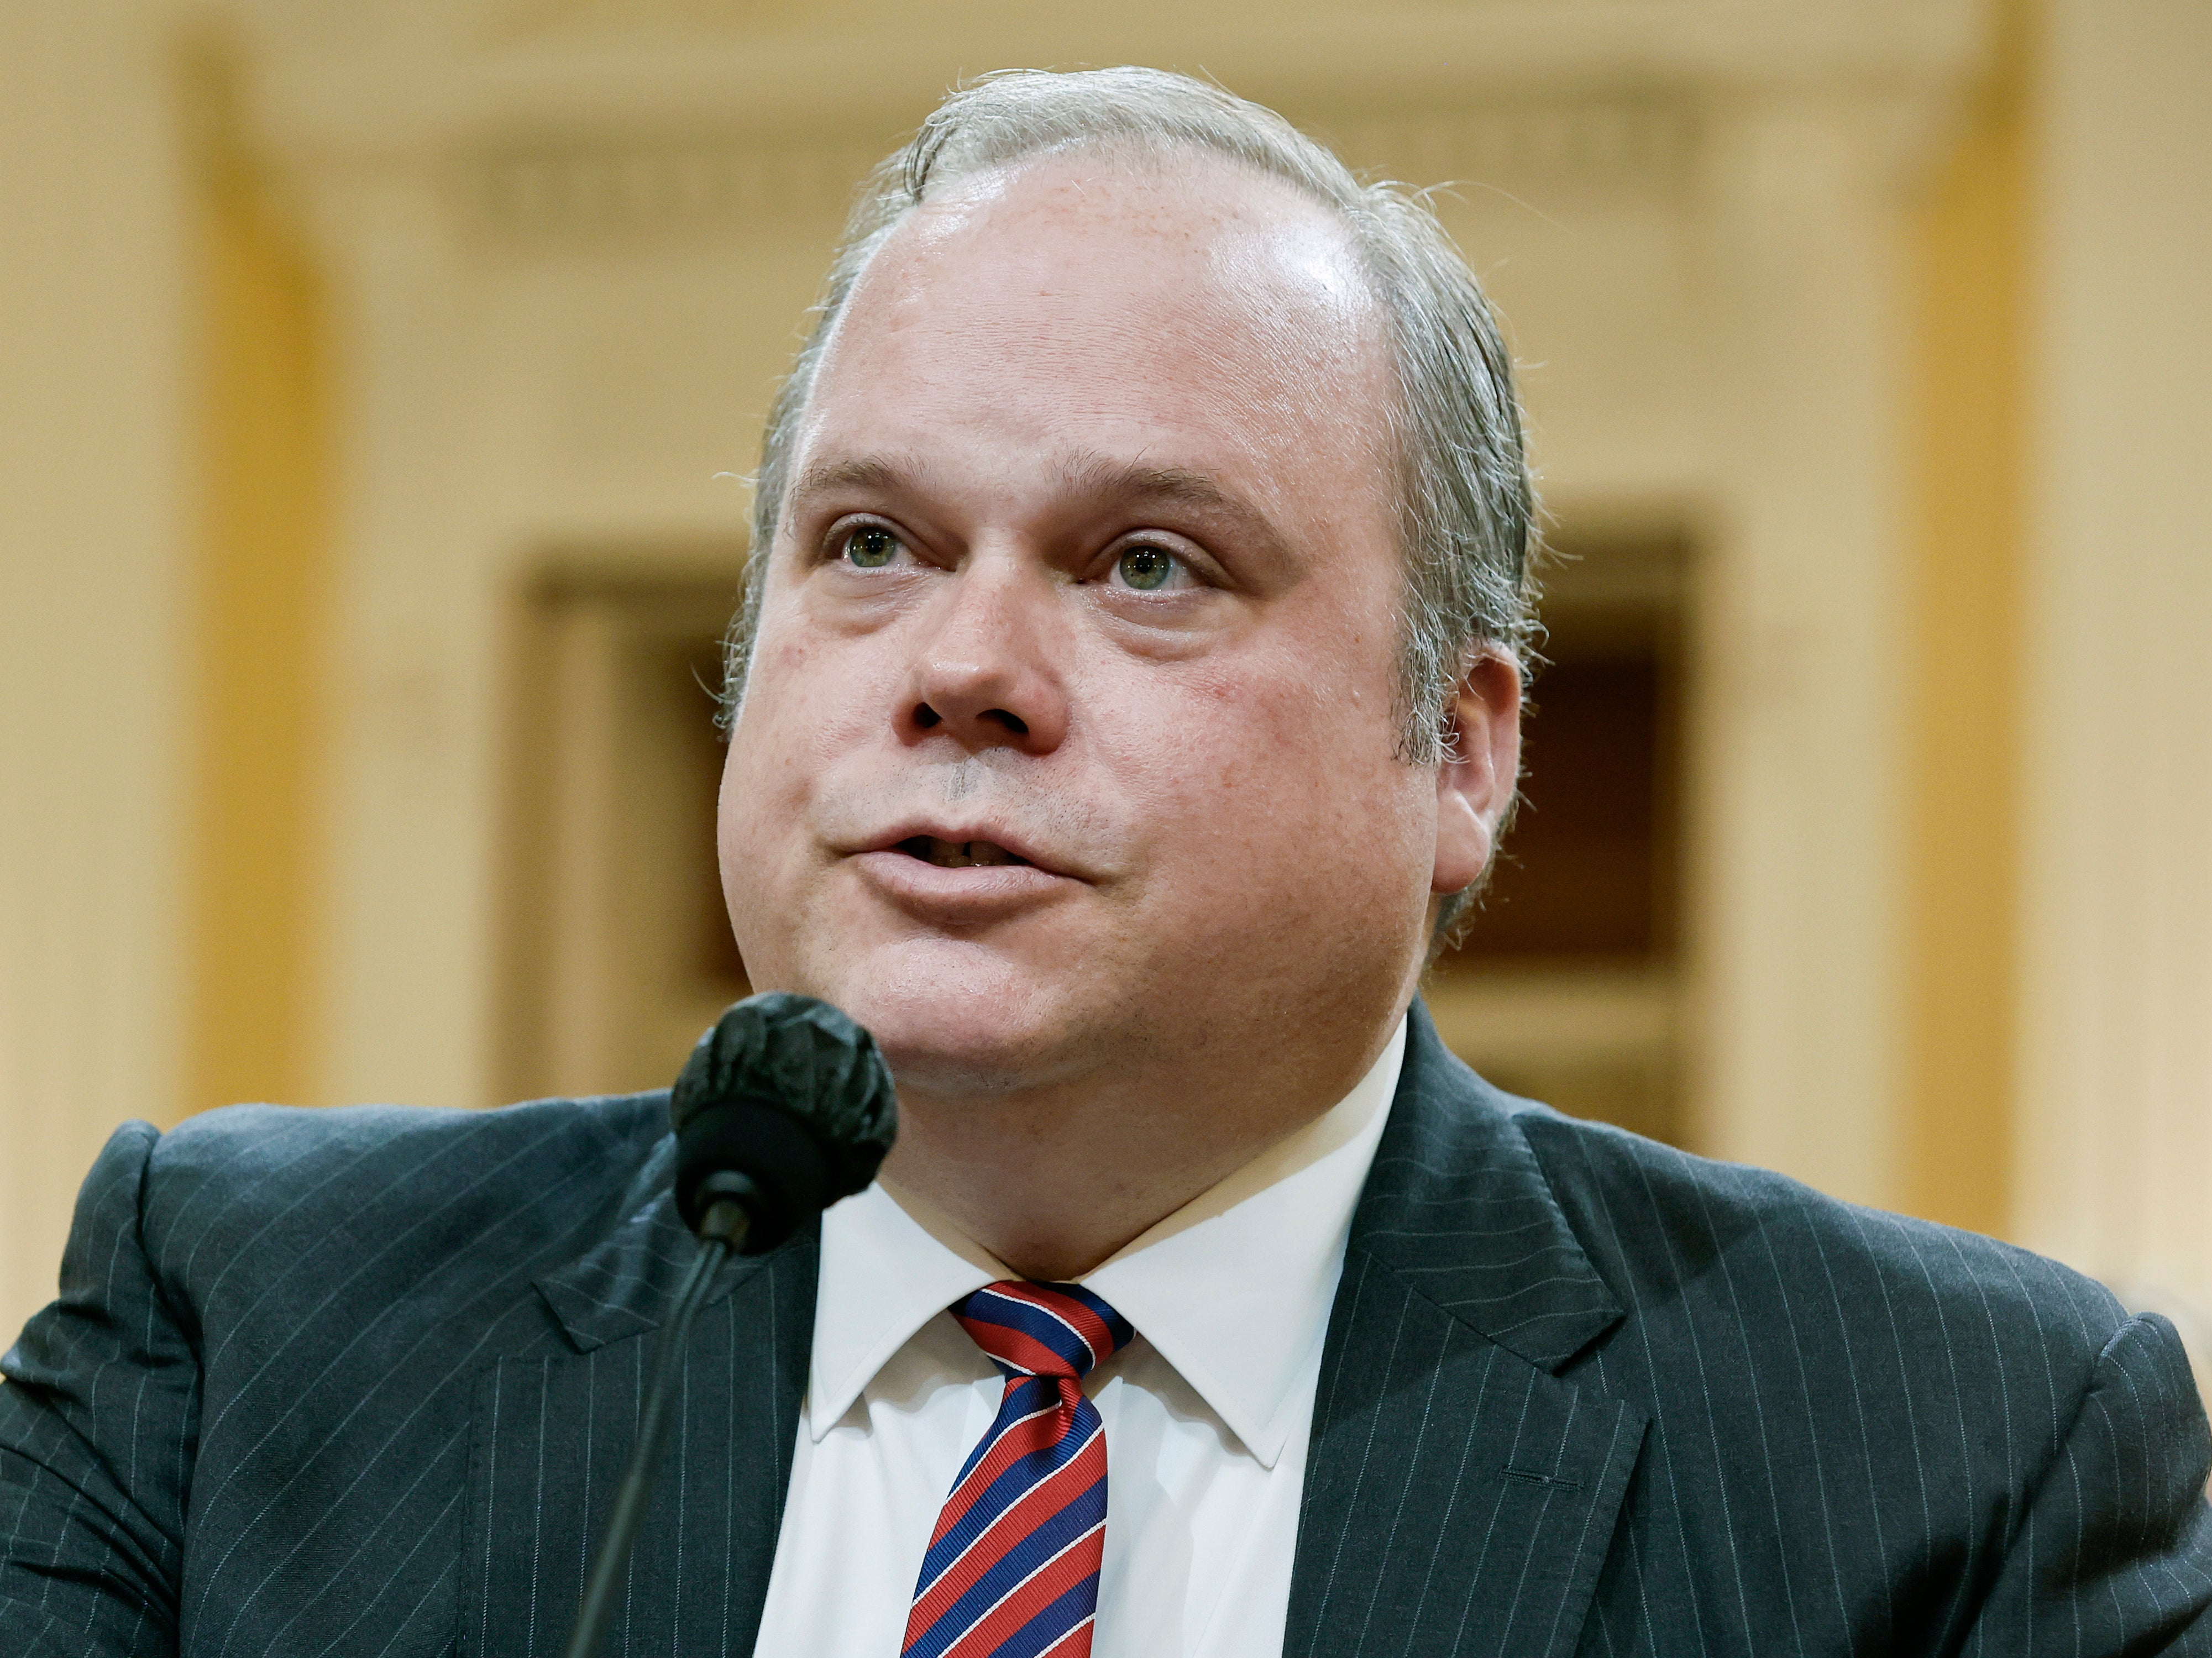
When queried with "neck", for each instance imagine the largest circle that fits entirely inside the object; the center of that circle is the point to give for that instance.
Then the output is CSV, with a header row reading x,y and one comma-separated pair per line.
x,y
1054,1180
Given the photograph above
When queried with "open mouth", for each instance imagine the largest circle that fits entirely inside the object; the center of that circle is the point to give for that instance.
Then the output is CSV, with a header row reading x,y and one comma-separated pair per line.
x,y
956,854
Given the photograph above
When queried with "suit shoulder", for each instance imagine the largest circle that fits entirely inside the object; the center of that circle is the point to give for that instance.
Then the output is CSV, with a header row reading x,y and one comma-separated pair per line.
x,y
1658,1221
246,1144
263,1180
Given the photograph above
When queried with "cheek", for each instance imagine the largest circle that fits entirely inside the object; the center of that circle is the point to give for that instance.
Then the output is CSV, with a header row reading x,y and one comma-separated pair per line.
x,y
743,839
765,776
806,696
1276,782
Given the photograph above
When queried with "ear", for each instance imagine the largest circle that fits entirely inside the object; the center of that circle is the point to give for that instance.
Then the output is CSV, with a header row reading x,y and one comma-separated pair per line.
x,y
1481,768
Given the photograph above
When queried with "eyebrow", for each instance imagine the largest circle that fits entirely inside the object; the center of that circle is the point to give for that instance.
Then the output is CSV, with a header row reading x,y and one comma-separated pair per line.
x,y
871,472
1104,479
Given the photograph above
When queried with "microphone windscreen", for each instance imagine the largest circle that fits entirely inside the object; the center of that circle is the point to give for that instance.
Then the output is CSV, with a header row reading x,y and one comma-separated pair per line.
x,y
789,1092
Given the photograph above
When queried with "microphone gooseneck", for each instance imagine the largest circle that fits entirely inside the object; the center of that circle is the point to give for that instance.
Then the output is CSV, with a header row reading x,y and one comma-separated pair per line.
x,y
784,1108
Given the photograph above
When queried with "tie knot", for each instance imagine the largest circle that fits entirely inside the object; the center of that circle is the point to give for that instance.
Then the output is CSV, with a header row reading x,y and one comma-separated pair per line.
x,y
1042,1329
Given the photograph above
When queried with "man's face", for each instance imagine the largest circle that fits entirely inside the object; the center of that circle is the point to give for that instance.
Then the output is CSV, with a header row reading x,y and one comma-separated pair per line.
x,y
1068,746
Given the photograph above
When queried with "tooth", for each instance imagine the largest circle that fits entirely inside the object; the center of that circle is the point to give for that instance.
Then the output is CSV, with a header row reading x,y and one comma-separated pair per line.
x,y
982,852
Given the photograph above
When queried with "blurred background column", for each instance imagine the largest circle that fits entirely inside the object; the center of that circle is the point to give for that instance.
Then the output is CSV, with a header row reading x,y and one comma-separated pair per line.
x,y
95,604
415,648
1800,776
2115,895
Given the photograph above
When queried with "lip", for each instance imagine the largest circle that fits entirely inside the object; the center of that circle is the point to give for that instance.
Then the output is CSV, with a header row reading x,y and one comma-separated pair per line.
x,y
958,898
965,895
997,834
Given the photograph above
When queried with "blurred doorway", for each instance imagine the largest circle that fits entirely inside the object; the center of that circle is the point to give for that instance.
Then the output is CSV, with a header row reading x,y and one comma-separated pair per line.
x,y
1567,985
618,953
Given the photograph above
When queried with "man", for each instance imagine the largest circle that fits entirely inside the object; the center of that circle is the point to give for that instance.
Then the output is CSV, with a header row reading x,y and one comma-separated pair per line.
x,y
1126,695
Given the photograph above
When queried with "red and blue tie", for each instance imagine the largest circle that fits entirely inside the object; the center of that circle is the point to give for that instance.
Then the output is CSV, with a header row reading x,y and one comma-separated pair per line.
x,y
1012,1568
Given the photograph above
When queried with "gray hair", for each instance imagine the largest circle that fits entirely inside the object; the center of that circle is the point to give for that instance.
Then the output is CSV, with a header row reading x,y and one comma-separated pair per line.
x,y
1467,504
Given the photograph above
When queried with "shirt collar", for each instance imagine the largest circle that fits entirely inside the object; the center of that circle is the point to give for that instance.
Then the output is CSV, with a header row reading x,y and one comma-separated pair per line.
x,y
1233,1289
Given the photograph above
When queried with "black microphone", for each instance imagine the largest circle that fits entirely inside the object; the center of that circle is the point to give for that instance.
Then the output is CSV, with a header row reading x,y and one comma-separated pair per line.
x,y
783,1108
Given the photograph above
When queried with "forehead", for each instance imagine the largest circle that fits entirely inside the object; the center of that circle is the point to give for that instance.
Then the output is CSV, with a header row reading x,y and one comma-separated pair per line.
x,y
1183,308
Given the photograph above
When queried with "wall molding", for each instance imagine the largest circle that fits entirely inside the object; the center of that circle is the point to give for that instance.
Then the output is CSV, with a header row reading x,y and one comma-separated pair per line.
x,y
595,190
545,195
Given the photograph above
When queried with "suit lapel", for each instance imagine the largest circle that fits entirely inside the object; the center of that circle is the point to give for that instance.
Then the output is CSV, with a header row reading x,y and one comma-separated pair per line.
x,y
553,1426
1460,1496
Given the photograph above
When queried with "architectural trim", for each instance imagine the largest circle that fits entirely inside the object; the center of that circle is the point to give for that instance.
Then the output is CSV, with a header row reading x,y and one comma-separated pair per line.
x,y
615,189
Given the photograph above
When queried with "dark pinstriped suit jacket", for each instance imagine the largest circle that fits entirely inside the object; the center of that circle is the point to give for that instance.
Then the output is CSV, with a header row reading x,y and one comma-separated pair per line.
x,y
358,1383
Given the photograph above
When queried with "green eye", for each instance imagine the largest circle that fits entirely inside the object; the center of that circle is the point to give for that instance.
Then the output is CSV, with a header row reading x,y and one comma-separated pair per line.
x,y
871,547
1146,569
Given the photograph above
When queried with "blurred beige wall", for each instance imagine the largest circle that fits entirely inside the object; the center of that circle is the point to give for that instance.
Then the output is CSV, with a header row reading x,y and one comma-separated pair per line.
x,y
332,329
97,688
2115,885
1965,429
258,617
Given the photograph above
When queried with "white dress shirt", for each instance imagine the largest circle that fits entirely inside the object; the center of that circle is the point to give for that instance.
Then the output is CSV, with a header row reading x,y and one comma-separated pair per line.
x,y
1206,1413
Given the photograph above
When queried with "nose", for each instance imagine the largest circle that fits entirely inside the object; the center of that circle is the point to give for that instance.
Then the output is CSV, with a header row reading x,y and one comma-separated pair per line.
x,y
983,673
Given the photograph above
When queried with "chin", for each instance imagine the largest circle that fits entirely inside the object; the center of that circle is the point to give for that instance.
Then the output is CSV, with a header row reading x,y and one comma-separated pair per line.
x,y
958,1017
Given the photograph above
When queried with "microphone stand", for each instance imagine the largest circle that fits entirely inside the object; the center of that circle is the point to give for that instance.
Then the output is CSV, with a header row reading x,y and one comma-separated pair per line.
x,y
783,1108
722,1231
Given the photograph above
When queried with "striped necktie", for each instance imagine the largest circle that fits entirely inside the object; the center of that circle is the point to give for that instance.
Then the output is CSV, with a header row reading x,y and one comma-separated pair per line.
x,y
1013,1567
